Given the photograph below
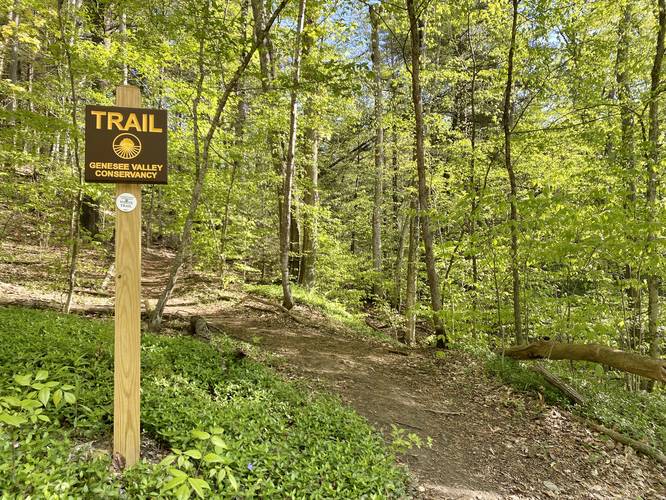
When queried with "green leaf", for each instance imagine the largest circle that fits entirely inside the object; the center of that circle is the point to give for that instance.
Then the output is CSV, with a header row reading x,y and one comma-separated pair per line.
x,y
67,387
175,481
57,398
196,454
44,395
23,379
183,492
232,480
199,485
12,401
30,404
200,434
218,442
41,375
221,474
177,472
14,420
168,460
213,458
69,398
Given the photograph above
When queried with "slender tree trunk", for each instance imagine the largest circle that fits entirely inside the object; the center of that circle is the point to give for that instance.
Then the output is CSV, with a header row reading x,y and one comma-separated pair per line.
x,y
627,162
307,263
287,182
400,229
397,267
294,235
419,153
412,272
473,188
239,130
513,200
379,147
76,203
149,218
203,161
353,247
651,192
311,200
15,43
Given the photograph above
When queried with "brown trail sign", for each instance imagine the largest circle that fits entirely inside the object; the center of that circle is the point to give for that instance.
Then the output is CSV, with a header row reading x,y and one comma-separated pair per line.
x,y
127,145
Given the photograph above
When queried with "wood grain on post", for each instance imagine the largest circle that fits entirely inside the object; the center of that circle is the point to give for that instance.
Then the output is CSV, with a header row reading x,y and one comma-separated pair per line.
x,y
127,344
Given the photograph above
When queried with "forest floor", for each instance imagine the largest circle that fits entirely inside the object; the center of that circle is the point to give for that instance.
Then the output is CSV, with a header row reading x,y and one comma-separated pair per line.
x,y
488,441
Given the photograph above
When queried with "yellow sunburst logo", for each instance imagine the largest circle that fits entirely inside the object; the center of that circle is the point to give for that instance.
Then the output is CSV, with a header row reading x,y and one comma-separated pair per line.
x,y
127,146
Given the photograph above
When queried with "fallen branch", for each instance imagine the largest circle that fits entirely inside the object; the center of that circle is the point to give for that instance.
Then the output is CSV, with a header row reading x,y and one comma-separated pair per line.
x,y
260,308
560,384
643,448
278,307
379,328
409,425
644,366
440,412
393,351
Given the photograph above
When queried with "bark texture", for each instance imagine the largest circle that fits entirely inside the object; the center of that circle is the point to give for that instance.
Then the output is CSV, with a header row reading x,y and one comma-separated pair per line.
x,y
379,144
629,362
288,179
651,192
513,193
419,154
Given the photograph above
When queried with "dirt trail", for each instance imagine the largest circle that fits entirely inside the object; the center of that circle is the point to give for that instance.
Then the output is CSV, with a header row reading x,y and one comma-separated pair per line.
x,y
488,442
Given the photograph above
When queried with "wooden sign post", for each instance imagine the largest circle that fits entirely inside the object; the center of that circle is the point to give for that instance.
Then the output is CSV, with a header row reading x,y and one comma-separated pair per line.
x,y
127,144
127,343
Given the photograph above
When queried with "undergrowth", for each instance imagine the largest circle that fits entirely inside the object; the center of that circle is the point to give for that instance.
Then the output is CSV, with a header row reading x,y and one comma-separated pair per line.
x,y
335,311
639,415
235,429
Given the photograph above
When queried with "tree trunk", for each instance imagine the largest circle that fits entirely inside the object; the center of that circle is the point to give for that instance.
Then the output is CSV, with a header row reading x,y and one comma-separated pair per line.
x,y
473,188
513,217
378,149
419,153
311,201
149,218
76,203
89,219
630,362
412,272
628,164
294,236
239,130
14,61
287,181
651,192
397,267
306,275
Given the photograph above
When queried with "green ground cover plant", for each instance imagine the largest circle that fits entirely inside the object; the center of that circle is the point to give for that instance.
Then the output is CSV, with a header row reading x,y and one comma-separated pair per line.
x,y
229,428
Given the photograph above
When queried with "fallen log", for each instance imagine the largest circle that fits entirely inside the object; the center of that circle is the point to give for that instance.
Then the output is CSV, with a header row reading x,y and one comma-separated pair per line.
x,y
644,366
560,384
639,446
